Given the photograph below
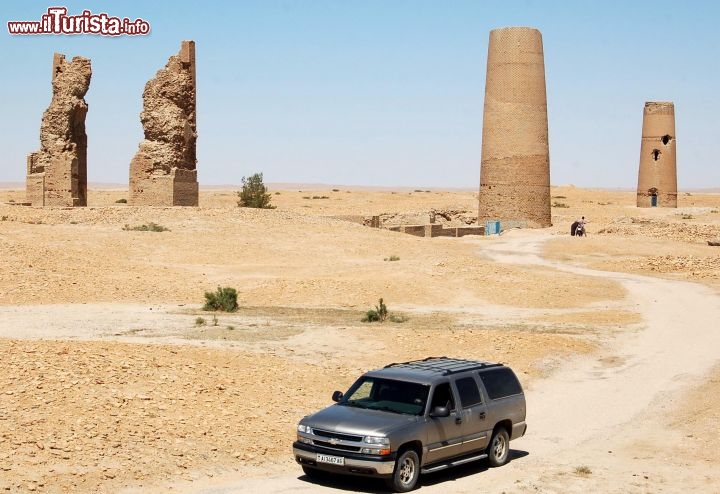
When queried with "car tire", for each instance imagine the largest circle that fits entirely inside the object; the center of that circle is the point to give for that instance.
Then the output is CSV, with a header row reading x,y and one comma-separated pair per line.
x,y
406,473
498,450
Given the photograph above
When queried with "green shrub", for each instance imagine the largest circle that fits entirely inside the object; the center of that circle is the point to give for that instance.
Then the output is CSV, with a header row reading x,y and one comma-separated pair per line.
x,y
121,201
200,321
397,318
378,314
392,258
224,299
254,194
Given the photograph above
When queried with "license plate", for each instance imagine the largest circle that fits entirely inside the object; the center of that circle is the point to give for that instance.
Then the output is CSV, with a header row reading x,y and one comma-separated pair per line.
x,y
333,460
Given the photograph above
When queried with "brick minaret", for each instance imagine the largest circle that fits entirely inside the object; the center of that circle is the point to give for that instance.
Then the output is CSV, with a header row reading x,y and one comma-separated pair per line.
x,y
57,173
163,172
515,167
657,176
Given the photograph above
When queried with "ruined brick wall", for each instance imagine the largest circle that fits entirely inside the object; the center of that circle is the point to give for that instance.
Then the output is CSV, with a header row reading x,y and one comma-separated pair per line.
x,y
657,175
163,171
515,164
57,173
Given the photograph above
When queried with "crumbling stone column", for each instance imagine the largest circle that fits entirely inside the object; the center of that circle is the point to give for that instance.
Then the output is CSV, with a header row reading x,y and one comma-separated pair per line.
x,y
163,171
515,164
657,175
57,173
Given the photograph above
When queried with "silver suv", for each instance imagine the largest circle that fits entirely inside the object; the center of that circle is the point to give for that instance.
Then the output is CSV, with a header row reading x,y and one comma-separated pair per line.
x,y
415,417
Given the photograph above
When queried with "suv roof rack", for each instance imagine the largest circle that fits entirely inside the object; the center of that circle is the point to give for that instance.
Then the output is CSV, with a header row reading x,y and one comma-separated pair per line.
x,y
443,365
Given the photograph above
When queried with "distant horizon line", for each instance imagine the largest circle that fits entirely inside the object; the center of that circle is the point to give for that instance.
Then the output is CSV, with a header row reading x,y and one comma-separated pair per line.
x,y
318,185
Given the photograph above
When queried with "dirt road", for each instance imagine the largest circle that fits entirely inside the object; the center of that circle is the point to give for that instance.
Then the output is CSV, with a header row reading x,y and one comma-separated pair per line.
x,y
599,425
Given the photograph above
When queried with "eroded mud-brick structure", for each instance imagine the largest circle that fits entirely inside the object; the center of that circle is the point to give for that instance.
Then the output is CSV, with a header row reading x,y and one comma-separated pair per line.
x,y
515,166
163,171
657,175
57,173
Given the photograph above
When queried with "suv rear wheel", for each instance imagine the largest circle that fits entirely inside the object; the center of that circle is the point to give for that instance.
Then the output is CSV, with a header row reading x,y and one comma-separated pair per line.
x,y
406,473
499,449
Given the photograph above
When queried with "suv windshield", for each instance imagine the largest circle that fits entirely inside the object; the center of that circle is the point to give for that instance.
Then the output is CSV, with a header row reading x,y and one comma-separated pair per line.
x,y
388,395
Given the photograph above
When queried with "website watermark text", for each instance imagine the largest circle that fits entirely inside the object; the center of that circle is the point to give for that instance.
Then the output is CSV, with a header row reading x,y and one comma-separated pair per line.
x,y
57,21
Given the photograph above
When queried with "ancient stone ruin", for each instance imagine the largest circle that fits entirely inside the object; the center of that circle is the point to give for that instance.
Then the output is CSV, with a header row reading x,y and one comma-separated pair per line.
x,y
515,164
163,171
57,173
657,176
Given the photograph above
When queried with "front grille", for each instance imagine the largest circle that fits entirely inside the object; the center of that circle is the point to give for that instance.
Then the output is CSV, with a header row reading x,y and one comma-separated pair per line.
x,y
337,435
341,447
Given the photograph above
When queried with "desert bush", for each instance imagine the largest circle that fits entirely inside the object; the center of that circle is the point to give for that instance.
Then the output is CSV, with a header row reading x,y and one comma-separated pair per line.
x,y
560,205
215,320
121,201
397,318
583,470
378,314
200,321
392,258
224,299
254,194
150,227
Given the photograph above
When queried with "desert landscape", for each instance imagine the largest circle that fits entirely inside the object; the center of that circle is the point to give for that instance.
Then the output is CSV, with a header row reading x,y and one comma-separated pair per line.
x,y
115,380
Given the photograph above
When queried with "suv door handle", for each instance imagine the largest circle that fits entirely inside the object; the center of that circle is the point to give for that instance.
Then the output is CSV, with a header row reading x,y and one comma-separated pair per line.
x,y
482,415
458,420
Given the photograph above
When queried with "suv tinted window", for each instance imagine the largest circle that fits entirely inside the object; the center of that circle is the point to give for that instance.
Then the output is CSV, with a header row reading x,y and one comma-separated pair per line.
x,y
469,392
500,382
442,397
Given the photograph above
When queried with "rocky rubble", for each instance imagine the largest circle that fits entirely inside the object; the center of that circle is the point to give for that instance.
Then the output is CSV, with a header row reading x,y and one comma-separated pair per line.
x,y
97,416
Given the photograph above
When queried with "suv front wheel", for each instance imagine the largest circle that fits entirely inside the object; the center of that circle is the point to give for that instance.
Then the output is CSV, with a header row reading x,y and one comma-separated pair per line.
x,y
407,471
499,449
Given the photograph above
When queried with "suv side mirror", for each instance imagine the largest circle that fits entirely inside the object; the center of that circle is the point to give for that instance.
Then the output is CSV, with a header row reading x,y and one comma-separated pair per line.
x,y
440,412
337,396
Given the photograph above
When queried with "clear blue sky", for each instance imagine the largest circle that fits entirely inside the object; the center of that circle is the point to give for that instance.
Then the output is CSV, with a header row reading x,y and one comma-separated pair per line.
x,y
383,93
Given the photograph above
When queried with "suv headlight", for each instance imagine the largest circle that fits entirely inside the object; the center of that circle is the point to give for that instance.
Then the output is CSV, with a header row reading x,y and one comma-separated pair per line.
x,y
380,445
384,441
304,429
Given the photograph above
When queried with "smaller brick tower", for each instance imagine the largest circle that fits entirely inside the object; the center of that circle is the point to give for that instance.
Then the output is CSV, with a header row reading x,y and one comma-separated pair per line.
x,y
657,176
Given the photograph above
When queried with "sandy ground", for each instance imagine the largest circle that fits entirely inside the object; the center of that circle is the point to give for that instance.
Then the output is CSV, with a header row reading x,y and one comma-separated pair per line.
x,y
114,379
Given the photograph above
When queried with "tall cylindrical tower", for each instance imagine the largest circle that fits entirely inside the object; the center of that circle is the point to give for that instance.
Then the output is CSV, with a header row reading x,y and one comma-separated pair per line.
x,y
657,176
515,166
